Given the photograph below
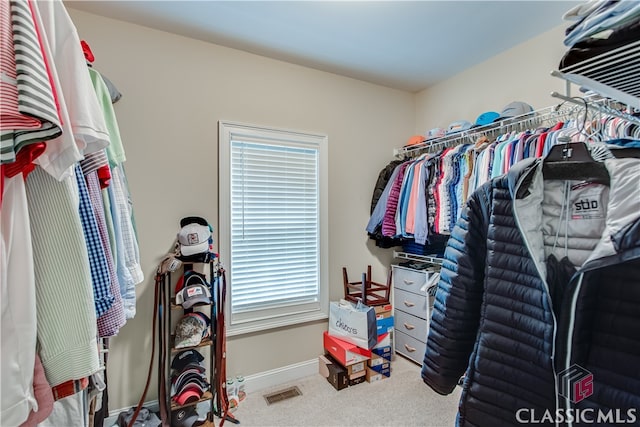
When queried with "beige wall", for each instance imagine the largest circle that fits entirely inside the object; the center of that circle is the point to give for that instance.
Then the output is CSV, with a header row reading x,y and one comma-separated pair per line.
x,y
175,91
521,73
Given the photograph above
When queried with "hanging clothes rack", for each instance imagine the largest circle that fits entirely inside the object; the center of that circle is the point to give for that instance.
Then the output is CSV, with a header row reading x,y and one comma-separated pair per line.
x,y
545,116
603,105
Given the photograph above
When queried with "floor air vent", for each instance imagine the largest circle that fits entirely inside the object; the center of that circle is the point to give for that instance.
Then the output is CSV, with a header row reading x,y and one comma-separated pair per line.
x,y
285,394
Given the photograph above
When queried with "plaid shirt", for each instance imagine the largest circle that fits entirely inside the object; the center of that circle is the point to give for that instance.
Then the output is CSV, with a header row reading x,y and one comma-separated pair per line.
x,y
103,299
109,323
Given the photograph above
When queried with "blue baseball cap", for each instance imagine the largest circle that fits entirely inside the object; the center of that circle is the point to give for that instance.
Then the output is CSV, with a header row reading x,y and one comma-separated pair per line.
x,y
487,118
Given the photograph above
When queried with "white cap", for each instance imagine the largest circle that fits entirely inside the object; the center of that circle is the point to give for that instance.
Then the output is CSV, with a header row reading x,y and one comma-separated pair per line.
x,y
194,239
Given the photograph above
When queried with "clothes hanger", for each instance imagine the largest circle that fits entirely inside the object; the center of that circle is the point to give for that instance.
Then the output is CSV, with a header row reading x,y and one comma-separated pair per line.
x,y
572,161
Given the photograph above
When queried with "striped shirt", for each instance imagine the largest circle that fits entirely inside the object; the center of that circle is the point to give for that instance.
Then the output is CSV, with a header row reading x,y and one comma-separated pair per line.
x,y
66,317
28,111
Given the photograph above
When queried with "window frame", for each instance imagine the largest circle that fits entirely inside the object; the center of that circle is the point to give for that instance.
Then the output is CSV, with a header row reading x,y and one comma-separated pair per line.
x,y
295,314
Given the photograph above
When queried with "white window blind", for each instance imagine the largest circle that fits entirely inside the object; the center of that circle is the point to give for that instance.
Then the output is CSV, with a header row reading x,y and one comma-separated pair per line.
x,y
275,226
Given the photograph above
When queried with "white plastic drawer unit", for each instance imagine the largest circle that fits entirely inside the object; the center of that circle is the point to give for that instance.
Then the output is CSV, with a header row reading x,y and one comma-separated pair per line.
x,y
414,304
410,347
413,326
412,310
408,280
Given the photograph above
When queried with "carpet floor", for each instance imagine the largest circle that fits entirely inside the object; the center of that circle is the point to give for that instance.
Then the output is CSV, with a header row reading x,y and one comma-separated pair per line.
x,y
400,400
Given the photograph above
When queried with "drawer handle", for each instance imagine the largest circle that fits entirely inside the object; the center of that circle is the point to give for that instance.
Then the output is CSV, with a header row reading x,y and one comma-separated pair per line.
x,y
409,348
409,326
409,304
408,282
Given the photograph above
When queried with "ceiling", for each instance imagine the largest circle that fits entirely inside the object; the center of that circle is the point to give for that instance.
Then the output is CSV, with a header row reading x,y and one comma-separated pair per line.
x,y
407,45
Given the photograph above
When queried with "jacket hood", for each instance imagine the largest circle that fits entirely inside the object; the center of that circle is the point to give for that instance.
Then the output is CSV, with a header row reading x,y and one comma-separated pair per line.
x,y
622,224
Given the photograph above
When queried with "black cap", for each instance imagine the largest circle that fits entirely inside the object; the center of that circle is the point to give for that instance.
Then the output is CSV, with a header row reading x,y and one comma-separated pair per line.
x,y
185,417
184,358
193,220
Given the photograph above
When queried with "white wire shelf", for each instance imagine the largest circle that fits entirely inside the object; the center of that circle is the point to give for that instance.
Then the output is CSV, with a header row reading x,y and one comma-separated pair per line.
x,y
614,74
415,257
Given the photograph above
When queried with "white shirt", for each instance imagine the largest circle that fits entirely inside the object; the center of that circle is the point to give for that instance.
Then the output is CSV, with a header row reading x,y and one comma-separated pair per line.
x,y
84,130
18,299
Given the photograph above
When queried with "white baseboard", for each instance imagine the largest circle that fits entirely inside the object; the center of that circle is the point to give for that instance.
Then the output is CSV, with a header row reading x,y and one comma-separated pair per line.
x,y
281,375
253,383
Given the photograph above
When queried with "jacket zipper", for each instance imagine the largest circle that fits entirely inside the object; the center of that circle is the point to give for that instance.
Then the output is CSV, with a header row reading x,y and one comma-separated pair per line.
x,y
572,318
546,286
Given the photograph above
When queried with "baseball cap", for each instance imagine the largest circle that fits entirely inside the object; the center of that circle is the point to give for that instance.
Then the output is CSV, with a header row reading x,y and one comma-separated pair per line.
x,y
513,109
458,126
169,264
185,417
487,118
415,139
193,220
191,277
189,331
436,133
196,383
202,317
184,379
185,358
194,239
193,294
188,395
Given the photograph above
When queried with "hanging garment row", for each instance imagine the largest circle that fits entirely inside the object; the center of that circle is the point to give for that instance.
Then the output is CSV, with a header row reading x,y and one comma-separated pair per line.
x,y
69,258
417,201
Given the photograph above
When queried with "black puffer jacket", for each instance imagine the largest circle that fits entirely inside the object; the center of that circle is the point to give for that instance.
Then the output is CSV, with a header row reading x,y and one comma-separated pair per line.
x,y
494,317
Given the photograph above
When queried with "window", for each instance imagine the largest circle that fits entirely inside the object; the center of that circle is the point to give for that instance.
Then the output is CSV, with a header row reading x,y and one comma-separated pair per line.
x,y
273,235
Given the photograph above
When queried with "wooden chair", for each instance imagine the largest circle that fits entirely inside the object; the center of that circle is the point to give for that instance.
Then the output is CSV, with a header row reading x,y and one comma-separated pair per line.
x,y
367,291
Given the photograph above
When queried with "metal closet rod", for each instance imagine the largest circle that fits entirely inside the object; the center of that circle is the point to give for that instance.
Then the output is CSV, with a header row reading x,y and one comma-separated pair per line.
x,y
600,106
625,91
518,123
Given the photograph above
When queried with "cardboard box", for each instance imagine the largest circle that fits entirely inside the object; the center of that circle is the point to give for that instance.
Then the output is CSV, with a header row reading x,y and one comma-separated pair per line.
x,y
384,325
376,360
383,311
384,340
352,370
384,351
362,377
344,352
335,374
358,374
373,376
384,369
356,368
